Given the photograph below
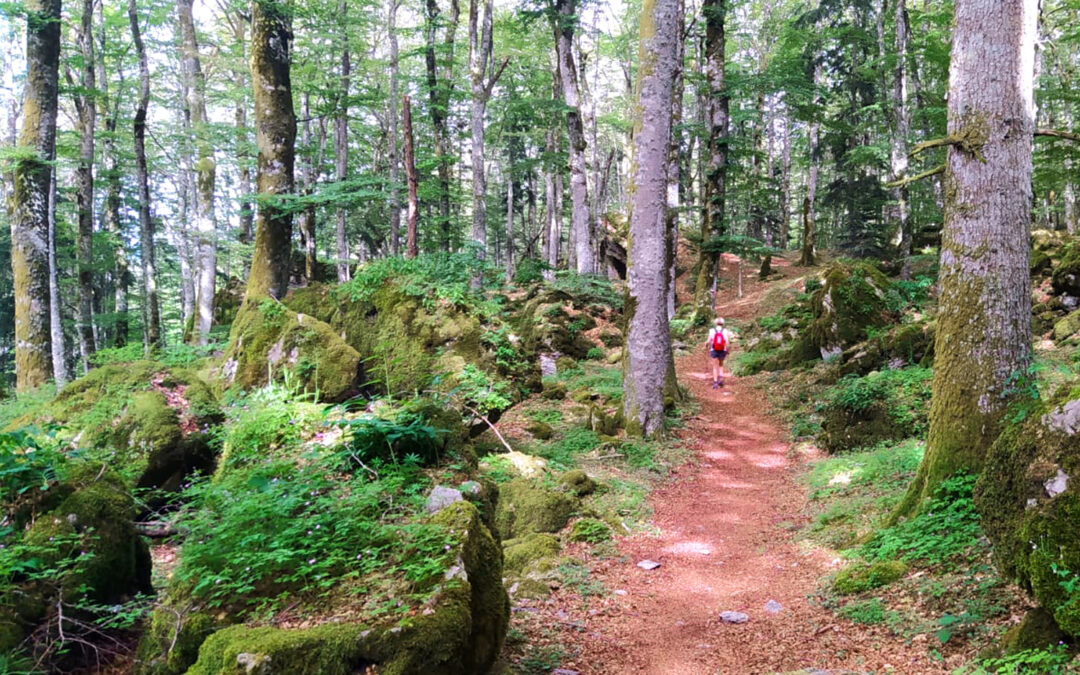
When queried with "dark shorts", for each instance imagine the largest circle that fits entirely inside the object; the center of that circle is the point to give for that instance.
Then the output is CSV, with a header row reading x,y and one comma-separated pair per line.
x,y
718,354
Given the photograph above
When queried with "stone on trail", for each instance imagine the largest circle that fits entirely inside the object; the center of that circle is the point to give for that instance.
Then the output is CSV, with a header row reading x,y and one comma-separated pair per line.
x,y
564,671
773,607
441,497
734,617
648,564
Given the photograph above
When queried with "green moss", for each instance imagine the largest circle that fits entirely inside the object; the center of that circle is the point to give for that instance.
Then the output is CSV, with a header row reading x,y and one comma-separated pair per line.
x,y
590,530
1067,327
525,507
865,577
1066,277
521,553
171,643
1037,630
578,482
1033,529
11,632
269,340
853,298
540,430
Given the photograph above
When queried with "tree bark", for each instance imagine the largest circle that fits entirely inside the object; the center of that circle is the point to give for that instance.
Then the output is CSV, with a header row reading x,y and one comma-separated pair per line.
x,y
394,160
482,80
56,322
86,114
713,223
983,345
649,375
440,86
509,224
152,338
411,245
206,174
901,122
275,136
30,198
809,237
580,227
240,118
341,135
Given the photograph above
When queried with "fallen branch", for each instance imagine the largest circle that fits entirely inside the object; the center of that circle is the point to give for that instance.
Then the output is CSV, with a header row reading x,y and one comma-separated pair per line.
x,y
502,440
917,177
1054,133
155,529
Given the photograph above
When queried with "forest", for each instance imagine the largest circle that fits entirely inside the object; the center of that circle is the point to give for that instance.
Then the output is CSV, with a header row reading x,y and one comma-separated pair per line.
x,y
369,336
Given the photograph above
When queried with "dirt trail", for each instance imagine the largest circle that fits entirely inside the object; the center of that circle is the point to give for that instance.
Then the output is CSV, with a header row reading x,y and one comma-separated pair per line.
x,y
724,538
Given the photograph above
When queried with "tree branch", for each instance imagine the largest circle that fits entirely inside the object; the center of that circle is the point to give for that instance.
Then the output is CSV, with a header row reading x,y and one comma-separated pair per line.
x,y
495,77
934,143
1054,133
917,177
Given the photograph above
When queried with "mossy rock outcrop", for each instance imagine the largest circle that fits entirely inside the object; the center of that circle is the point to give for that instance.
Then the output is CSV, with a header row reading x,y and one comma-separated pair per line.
x,y
90,540
1066,277
405,343
172,640
146,419
844,429
269,340
460,631
549,323
1029,498
1037,630
1068,327
523,553
868,576
526,507
853,297
906,345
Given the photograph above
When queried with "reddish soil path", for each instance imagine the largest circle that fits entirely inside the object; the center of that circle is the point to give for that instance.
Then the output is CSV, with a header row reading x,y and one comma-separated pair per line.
x,y
724,538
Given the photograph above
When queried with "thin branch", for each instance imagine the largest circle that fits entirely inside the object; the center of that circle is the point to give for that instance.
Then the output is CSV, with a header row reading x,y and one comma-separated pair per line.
x,y
1054,133
934,143
495,78
476,412
917,177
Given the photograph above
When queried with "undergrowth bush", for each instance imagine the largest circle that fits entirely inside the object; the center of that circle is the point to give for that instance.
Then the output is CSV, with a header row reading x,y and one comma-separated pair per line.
x,y
1057,660
432,276
947,531
563,452
591,289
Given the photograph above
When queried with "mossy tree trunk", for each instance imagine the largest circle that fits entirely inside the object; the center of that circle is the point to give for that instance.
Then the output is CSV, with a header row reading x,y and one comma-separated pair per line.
x,y
152,338
86,123
341,142
482,77
580,223
30,197
809,235
413,213
392,158
649,366
715,189
238,22
205,174
983,344
275,136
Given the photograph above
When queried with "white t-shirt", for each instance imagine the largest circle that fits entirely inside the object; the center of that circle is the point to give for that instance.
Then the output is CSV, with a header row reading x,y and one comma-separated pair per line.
x,y
727,337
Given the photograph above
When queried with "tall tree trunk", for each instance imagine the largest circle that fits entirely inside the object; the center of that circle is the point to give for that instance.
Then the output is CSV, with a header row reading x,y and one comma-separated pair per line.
x,y
86,113
809,237
240,117
56,320
440,86
341,135
550,247
177,232
411,245
580,221
649,375
206,174
674,147
983,344
152,338
275,136
509,225
715,189
306,217
901,119
30,197
483,78
394,160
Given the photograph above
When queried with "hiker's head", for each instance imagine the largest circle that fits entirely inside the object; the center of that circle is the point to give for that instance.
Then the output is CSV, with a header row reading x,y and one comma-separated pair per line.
x,y
719,322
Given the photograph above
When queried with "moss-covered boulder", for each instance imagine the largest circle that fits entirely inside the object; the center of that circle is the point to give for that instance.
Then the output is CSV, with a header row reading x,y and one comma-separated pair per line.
x,y
406,343
522,553
868,576
1066,277
268,341
172,640
887,405
853,297
844,428
1037,630
459,632
540,430
87,546
525,507
906,345
147,420
1029,498
578,482
1067,327
549,323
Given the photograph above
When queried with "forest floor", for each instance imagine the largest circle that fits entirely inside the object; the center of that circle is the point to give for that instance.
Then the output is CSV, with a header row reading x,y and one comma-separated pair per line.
x,y
724,530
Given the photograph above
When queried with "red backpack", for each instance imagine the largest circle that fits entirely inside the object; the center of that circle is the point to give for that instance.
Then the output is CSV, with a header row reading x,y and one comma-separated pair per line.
x,y
719,341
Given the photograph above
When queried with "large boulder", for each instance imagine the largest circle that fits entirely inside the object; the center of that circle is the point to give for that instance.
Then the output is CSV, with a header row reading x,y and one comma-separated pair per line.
x,y
1029,498
148,420
269,340
526,507
1066,277
889,405
459,632
86,546
906,345
853,297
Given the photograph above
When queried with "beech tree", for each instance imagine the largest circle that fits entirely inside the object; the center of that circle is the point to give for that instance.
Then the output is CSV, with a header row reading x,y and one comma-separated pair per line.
x,y
30,232
275,136
649,366
983,344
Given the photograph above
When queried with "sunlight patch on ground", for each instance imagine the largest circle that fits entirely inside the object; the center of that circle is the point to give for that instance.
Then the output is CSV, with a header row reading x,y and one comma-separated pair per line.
x,y
684,547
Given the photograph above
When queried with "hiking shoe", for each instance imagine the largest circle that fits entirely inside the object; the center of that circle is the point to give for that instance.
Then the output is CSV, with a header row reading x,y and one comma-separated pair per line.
x,y
715,384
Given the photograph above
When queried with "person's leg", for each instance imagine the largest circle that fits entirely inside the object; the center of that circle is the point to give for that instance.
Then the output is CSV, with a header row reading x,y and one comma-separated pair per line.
x,y
720,372
715,371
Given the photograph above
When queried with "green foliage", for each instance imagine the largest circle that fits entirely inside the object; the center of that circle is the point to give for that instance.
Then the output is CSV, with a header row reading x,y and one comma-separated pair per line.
x,y
429,277
180,354
546,415
947,531
590,530
563,452
594,353
905,394
865,577
29,461
404,437
884,467
577,577
1055,660
865,612
476,389
590,289
268,422
530,271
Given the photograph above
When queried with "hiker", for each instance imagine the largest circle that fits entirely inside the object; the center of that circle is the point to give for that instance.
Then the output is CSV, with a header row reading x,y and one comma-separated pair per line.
x,y
719,344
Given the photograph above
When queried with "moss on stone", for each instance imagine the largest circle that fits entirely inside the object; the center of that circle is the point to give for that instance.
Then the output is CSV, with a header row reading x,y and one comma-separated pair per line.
x,y
1066,277
554,390
1037,630
844,429
865,577
171,643
1067,327
269,340
1029,499
578,482
540,430
852,298
590,530
521,553
525,507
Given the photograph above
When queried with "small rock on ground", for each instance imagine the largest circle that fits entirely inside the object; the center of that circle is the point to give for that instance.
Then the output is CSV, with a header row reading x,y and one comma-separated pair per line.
x,y
734,617
648,564
441,497
773,607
